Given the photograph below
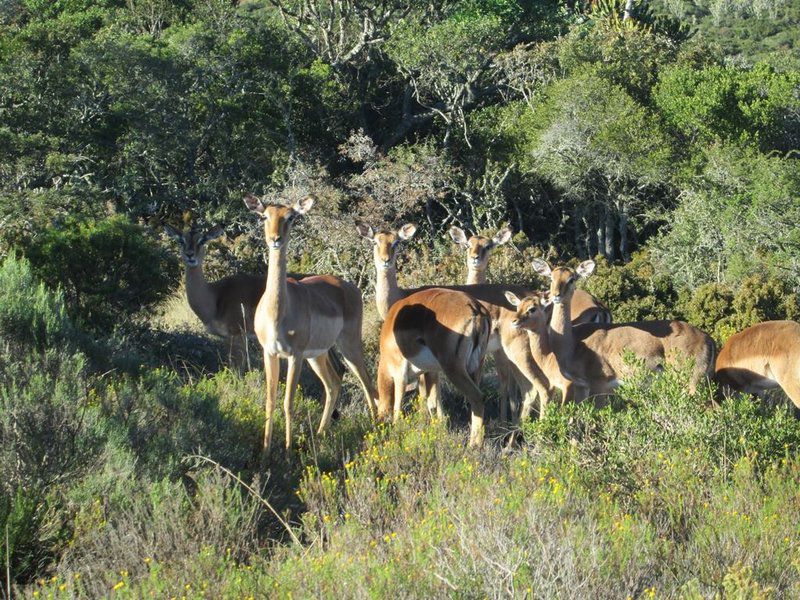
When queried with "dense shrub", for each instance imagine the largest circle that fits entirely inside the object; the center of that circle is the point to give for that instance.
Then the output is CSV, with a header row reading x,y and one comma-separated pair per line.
x,y
108,269
634,291
31,316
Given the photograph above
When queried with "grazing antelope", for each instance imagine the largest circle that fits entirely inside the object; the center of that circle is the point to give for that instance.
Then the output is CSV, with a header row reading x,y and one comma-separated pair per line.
x,y
226,306
591,355
302,320
479,249
434,331
762,357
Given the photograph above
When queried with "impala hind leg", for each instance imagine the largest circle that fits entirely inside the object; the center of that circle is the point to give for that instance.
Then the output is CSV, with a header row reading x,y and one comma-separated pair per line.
x,y
354,359
294,364
791,387
332,382
467,386
271,371
433,399
507,388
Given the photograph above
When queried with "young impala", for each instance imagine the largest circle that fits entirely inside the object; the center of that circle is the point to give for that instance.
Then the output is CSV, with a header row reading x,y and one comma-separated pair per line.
x,y
302,320
226,306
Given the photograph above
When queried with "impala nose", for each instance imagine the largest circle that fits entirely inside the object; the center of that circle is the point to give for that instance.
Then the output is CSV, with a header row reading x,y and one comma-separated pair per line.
x,y
556,299
276,243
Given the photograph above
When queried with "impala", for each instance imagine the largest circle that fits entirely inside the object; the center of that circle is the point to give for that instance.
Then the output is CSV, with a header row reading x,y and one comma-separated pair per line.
x,y
226,306
762,357
302,320
591,355
434,331
479,248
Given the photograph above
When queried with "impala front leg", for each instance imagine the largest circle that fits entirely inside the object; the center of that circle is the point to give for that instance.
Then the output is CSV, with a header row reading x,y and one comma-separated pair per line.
x,y
271,372
294,363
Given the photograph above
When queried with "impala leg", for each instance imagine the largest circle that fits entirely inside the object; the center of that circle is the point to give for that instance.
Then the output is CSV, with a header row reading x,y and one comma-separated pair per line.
x,y
354,359
399,392
791,387
464,383
433,398
237,354
271,372
505,383
294,364
321,365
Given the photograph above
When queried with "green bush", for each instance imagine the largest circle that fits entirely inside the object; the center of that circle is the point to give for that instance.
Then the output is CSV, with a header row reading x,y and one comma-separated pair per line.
x,y
31,316
720,311
634,291
108,269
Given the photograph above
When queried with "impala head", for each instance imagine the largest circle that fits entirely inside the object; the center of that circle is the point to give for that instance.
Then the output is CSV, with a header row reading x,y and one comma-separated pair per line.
x,y
530,310
478,247
277,218
562,279
386,243
193,242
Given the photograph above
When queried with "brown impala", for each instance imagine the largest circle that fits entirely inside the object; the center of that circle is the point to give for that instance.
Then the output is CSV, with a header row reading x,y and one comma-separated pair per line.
x,y
227,306
302,320
762,357
431,332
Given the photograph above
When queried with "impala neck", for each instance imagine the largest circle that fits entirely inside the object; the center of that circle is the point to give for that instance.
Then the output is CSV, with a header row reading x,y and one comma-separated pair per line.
x,y
542,351
199,293
387,292
275,291
560,334
475,276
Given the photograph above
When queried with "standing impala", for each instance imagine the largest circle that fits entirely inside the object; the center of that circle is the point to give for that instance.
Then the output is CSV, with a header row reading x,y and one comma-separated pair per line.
x,y
591,355
431,332
302,320
762,357
508,345
227,306
479,248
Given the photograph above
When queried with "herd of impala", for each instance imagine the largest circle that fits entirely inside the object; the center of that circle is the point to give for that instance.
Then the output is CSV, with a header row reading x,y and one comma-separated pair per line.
x,y
562,338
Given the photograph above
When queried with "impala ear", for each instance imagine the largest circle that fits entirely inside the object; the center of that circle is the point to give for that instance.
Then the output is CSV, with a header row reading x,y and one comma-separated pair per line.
x,y
502,237
407,231
365,231
212,234
253,202
458,236
541,267
586,268
513,300
303,206
173,233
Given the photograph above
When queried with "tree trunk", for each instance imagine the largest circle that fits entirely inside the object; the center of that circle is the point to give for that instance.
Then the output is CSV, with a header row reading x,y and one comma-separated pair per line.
x,y
610,252
628,10
623,234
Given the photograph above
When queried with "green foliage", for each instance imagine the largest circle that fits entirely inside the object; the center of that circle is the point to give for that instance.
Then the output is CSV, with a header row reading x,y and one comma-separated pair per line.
x,y
734,221
31,316
108,269
730,104
634,290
